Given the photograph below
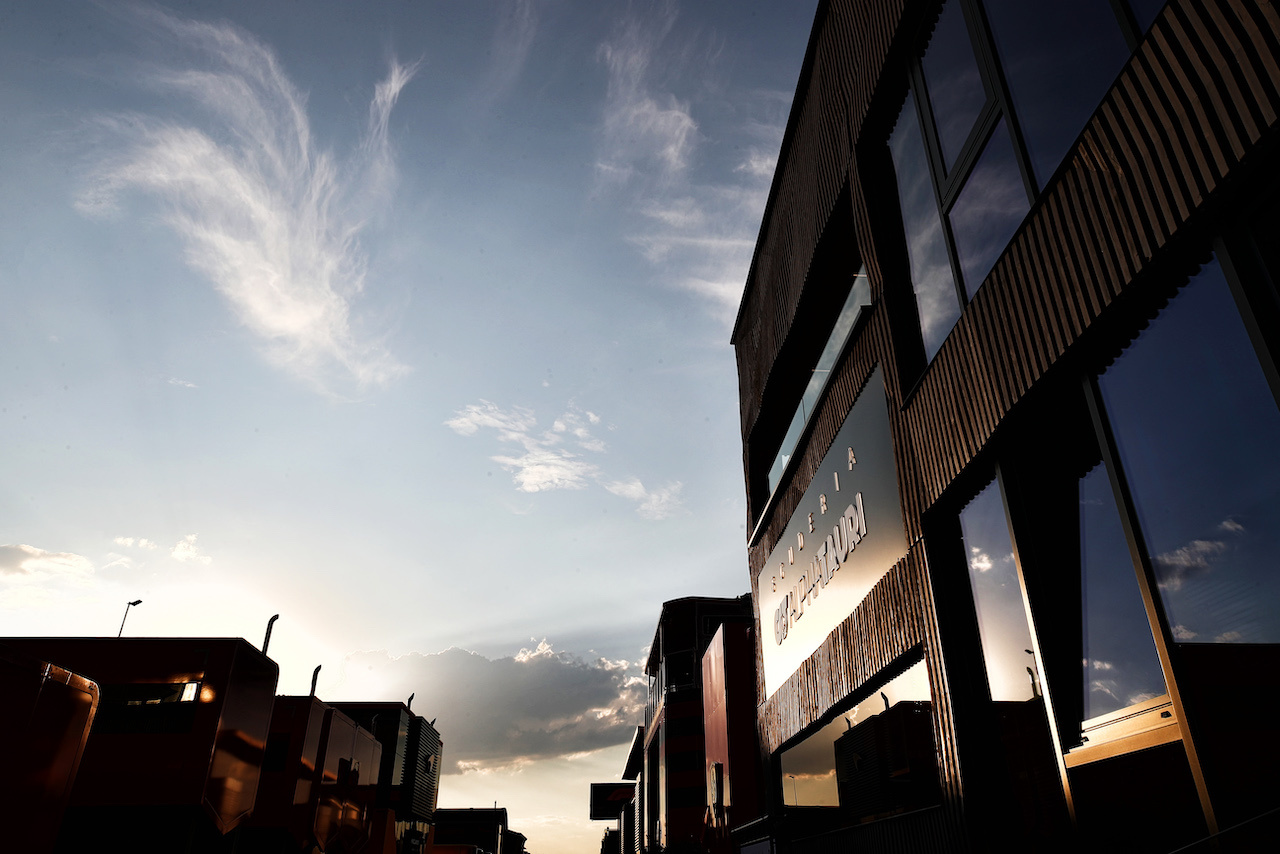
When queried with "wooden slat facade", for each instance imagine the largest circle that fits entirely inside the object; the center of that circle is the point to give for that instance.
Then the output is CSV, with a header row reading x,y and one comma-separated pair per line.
x,y
1190,121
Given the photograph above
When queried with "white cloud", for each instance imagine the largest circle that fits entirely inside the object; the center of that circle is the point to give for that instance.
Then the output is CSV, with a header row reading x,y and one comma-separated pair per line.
x,y
505,712
980,561
758,164
556,458
24,560
512,40
1194,559
653,504
642,130
270,218
511,424
544,469
1182,633
698,234
1231,526
546,463
130,542
186,551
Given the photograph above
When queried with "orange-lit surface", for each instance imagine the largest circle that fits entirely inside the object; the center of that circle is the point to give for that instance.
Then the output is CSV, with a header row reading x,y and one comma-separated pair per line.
x,y
47,711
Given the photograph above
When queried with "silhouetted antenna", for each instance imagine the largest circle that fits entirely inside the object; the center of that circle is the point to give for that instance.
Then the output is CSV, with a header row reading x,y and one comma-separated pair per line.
x,y
315,677
886,700
266,641
409,702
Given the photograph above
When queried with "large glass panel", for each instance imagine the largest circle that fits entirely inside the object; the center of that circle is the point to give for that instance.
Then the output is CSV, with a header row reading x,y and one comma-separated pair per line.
x,y
1145,11
1121,667
894,741
955,86
935,289
988,210
1198,431
997,596
1059,58
858,299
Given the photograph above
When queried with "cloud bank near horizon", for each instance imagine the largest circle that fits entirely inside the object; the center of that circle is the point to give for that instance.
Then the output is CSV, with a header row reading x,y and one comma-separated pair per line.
x,y
508,712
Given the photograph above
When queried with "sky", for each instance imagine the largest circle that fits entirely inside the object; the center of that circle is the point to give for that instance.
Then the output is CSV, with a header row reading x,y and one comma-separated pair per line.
x,y
407,321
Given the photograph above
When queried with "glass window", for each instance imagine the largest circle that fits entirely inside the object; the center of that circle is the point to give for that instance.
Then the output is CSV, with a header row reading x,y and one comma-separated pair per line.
x,y
876,759
858,299
1121,667
955,86
989,209
1145,11
935,288
997,597
1059,58
1197,431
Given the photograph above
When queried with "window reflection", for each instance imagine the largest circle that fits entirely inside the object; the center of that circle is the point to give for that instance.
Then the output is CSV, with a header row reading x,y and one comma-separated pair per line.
x,y
1197,430
956,93
871,761
988,210
931,276
1121,667
997,597
1036,41
858,299
1145,11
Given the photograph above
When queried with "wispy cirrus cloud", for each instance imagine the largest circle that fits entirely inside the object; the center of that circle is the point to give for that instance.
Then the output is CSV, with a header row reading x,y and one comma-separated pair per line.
x,y
507,712
644,130
561,456
267,215
695,226
512,41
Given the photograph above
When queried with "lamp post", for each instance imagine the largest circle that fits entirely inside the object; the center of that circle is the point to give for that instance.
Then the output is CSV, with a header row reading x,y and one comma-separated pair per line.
x,y
794,797
126,615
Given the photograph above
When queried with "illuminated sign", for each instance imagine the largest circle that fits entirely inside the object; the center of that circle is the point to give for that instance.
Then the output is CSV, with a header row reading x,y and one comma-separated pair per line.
x,y
846,533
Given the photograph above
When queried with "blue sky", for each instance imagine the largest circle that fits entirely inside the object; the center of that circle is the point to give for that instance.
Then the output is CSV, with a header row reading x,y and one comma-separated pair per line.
x,y
407,321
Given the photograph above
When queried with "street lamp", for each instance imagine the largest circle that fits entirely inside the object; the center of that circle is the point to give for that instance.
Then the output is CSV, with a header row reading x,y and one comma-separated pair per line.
x,y
794,796
126,615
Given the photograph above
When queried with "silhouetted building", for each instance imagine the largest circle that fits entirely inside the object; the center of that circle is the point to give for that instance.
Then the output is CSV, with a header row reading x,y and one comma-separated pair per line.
x,y
409,782
173,756
475,831
673,783
319,784
1007,359
615,802
45,715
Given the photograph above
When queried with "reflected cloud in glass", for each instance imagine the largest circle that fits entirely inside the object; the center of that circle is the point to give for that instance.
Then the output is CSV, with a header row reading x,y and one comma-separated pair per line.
x,y
1197,430
931,276
997,597
951,74
988,210
1120,664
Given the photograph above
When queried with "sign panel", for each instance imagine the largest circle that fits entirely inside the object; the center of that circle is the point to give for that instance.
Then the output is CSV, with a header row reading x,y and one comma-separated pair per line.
x,y
846,533
608,800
